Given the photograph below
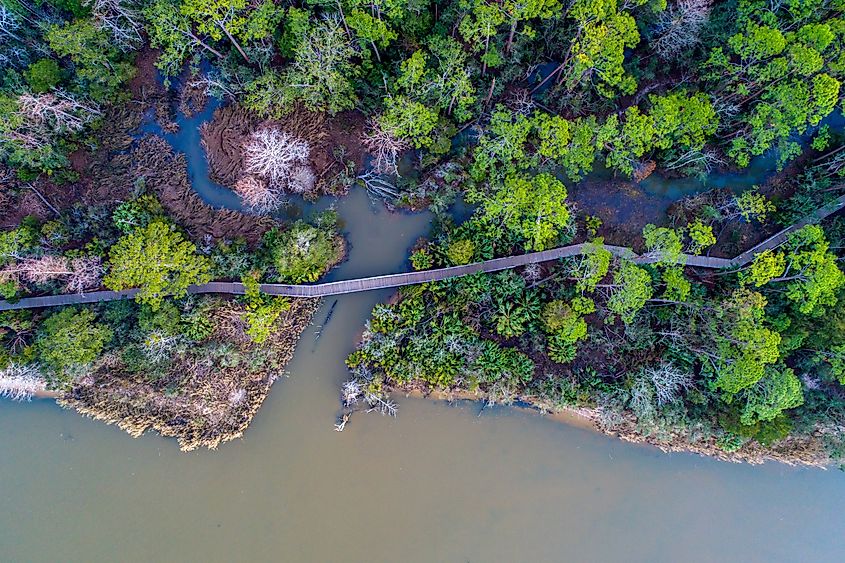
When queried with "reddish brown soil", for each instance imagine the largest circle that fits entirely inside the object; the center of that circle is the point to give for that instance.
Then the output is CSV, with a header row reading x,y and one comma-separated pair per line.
x,y
25,203
145,83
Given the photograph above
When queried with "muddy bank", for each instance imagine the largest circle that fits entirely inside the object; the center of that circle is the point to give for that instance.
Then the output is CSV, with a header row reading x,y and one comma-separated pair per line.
x,y
794,450
152,166
334,143
209,393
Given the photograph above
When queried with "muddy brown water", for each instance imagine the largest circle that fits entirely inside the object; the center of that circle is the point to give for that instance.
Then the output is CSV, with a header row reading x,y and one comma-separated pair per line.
x,y
438,483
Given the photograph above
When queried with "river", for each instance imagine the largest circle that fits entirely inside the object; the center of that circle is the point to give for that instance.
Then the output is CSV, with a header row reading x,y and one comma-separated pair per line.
x,y
438,483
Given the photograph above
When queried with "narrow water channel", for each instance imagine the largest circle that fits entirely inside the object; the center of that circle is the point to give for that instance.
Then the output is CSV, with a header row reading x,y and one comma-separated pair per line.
x,y
438,483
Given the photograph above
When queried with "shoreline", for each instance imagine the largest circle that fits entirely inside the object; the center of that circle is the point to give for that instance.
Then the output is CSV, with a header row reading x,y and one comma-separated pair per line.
x,y
586,418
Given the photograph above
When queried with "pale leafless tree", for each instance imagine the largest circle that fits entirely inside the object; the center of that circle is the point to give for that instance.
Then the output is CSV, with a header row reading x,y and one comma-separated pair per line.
x,y
679,26
159,346
532,272
79,274
120,19
86,273
668,381
520,101
351,392
258,195
385,148
21,382
302,180
274,156
382,405
57,111
9,23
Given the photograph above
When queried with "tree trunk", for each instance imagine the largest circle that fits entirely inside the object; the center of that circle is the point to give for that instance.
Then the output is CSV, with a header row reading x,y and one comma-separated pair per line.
x,y
204,44
510,36
234,42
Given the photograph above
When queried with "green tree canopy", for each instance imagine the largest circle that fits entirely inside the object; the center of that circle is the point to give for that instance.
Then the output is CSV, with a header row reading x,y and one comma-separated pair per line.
x,y
159,261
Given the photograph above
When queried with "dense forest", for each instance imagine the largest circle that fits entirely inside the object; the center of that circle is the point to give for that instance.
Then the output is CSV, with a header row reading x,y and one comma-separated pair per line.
x,y
511,109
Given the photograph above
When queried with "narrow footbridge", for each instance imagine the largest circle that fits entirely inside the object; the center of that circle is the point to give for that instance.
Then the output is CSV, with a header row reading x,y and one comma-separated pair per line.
x,y
412,278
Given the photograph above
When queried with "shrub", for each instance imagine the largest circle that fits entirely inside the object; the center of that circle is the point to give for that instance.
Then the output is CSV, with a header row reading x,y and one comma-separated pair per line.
x,y
43,75
70,338
304,252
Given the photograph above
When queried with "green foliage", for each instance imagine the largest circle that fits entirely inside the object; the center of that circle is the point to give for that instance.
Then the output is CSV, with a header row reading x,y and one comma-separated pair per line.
x,y
137,213
43,75
460,252
664,243
421,259
565,325
598,50
370,30
754,206
592,267
630,290
701,235
159,261
766,266
322,73
19,242
809,271
262,310
535,209
98,62
70,338
745,345
170,31
778,391
677,286
304,252
406,119
165,319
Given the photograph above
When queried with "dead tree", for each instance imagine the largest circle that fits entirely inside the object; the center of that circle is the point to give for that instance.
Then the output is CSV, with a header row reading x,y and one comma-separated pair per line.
x,y
679,26
385,148
21,382
274,156
120,19
258,195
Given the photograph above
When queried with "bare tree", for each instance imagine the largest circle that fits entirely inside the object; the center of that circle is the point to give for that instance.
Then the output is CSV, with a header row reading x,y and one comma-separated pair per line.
x,y
9,23
274,156
679,26
79,274
21,382
159,346
668,381
258,195
57,111
86,273
120,19
385,148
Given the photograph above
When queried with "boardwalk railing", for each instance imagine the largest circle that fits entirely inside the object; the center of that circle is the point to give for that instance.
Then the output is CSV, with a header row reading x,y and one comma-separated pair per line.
x,y
412,278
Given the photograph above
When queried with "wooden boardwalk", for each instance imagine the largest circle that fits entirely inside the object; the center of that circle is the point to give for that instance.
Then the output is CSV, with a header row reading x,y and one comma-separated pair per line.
x,y
412,278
